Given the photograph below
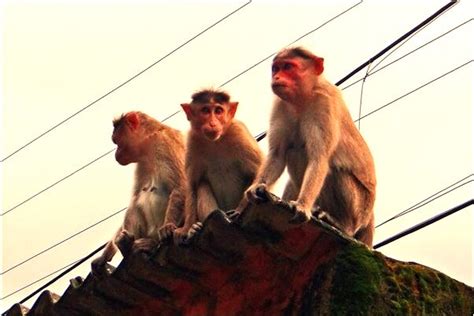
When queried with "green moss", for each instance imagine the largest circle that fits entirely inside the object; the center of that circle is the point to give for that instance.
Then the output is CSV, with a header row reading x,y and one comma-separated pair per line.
x,y
358,275
367,283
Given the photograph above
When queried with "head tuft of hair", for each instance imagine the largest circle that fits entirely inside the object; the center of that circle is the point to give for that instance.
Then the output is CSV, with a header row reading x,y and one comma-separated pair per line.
x,y
210,96
293,52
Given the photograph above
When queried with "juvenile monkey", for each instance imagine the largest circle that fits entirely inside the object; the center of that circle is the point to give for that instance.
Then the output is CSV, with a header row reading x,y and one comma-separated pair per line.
x,y
157,203
222,158
313,135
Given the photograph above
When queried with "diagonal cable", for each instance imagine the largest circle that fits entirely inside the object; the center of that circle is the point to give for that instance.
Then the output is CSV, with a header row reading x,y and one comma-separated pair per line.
x,y
62,241
124,83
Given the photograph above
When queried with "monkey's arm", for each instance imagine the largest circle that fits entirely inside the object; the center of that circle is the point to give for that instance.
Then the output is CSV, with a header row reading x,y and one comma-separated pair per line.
x,y
174,215
97,265
321,137
272,169
190,210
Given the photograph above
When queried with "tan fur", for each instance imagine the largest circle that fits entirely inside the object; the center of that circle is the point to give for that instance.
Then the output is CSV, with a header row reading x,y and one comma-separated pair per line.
x,y
219,166
157,202
313,135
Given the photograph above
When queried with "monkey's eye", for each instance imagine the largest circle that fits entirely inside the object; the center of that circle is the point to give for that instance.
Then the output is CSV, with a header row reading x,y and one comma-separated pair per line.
x,y
275,68
219,110
205,110
287,66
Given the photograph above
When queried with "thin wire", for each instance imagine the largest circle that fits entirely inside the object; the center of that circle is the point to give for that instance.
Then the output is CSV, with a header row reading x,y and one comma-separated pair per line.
x,y
62,241
386,49
38,280
409,53
126,82
426,223
55,183
293,42
412,91
362,93
429,199
173,114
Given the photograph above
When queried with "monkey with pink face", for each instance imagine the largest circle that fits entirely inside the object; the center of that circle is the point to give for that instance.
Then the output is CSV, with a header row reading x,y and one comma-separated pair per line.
x,y
157,203
222,159
313,135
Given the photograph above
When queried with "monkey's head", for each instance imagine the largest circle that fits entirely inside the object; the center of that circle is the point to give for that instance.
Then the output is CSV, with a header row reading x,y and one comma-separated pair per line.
x,y
294,73
210,113
131,137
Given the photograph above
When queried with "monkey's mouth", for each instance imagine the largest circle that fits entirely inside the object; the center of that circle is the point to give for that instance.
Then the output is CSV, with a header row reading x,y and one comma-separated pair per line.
x,y
278,86
212,135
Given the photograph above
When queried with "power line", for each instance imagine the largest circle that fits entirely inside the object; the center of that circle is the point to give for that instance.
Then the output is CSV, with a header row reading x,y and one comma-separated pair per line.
x,y
400,39
62,241
430,199
425,223
414,90
409,53
387,48
173,114
125,82
71,266
293,42
260,136
55,183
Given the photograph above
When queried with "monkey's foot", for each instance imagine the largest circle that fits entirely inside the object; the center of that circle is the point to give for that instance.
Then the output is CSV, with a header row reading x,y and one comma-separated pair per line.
x,y
325,217
166,231
124,242
233,215
98,266
144,245
194,230
301,216
180,236
258,194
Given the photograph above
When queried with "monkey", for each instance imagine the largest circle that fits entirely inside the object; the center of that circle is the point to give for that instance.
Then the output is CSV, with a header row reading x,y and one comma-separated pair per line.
x,y
312,134
222,159
156,206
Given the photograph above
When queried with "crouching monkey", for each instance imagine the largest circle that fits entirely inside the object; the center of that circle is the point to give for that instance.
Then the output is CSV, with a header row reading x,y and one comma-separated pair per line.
x,y
222,159
157,203
312,133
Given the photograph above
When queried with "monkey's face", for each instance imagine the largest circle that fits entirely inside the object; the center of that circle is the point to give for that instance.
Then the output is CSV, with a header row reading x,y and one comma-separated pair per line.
x,y
210,119
292,78
128,144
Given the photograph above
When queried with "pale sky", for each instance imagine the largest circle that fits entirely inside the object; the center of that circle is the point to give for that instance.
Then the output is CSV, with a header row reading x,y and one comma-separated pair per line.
x,y
60,56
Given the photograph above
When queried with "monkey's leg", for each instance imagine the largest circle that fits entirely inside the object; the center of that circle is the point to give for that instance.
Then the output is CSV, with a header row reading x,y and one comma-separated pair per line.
x,y
346,201
205,205
124,242
366,234
291,192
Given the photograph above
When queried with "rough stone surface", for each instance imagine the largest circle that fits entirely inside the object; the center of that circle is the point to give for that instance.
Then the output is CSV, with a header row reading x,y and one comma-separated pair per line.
x,y
261,265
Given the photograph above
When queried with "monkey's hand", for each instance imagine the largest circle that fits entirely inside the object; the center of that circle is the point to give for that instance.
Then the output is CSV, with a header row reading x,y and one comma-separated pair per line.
x,y
302,215
166,231
257,193
124,242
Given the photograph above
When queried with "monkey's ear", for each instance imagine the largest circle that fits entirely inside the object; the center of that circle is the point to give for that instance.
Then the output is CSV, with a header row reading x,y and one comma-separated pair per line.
x,y
133,120
187,109
319,65
233,108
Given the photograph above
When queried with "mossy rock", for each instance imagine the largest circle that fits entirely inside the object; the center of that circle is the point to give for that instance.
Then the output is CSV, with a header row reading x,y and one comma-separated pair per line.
x,y
364,282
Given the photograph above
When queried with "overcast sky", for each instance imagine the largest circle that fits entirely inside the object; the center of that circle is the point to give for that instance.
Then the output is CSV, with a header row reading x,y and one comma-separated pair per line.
x,y
83,60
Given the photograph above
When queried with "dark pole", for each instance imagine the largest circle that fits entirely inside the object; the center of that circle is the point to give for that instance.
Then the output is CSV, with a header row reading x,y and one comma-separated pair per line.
x,y
425,223
78,263
262,135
